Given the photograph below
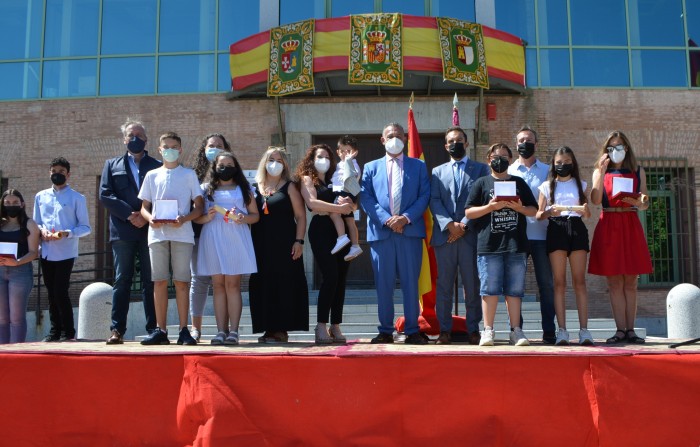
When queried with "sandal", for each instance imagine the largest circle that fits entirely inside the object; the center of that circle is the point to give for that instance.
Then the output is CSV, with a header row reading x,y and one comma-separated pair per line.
x,y
634,339
615,339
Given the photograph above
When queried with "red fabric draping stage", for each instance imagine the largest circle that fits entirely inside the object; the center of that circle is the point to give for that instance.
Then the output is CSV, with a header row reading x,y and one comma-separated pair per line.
x,y
355,395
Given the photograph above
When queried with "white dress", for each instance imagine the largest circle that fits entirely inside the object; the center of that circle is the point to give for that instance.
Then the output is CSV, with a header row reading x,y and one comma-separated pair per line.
x,y
225,248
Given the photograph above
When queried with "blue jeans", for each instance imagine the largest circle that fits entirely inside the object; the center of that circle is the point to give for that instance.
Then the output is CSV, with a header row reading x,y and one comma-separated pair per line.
x,y
125,253
545,283
15,286
502,274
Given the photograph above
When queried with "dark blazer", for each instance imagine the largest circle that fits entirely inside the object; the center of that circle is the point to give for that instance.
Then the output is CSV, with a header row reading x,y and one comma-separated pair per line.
x,y
119,194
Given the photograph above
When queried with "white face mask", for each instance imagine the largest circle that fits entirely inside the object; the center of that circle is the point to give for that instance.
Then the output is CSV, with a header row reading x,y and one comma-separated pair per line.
x,y
394,146
322,165
212,152
274,168
171,155
617,156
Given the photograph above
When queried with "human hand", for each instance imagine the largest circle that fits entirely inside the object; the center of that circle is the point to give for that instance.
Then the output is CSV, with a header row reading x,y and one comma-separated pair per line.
x,y
496,205
456,230
9,262
136,219
603,162
297,250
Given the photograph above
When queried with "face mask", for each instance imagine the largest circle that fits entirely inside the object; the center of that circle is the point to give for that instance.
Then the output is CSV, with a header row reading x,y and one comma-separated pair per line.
x,y
499,165
563,170
322,165
58,179
457,150
394,146
274,168
170,155
526,149
226,173
617,156
13,210
136,145
211,153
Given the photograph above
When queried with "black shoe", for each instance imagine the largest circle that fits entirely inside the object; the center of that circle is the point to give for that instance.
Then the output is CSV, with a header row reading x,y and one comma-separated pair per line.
x,y
549,337
51,337
185,338
67,336
116,339
157,337
415,339
382,338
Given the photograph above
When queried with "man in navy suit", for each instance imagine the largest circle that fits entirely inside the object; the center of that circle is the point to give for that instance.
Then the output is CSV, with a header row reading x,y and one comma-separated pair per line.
x,y
128,230
454,243
395,194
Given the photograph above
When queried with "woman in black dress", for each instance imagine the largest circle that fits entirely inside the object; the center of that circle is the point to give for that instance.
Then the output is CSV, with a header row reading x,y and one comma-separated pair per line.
x,y
315,172
279,297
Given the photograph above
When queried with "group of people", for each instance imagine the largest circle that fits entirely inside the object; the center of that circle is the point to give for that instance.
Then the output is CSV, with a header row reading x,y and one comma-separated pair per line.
x,y
208,226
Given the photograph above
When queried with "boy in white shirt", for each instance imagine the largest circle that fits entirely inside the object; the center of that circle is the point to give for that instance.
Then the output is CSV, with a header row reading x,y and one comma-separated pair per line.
x,y
346,183
170,238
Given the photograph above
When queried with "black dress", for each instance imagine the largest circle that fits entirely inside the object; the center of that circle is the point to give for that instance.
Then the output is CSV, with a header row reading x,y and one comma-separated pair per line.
x,y
279,295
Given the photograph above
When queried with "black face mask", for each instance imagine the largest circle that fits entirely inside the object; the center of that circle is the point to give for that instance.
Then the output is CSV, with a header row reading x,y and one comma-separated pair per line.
x,y
13,210
499,165
526,149
227,172
58,179
136,145
457,150
563,170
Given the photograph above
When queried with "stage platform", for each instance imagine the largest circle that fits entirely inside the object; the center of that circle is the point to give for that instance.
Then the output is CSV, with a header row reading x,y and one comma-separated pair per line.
x,y
298,394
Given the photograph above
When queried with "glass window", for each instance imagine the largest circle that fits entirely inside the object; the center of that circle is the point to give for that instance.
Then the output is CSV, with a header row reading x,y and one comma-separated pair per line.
x,y
71,28
19,80
237,20
341,8
127,76
184,74
601,68
598,22
128,26
646,73
692,20
656,23
20,29
554,68
531,67
295,11
694,60
412,7
186,25
224,79
552,22
457,9
69,78
516,17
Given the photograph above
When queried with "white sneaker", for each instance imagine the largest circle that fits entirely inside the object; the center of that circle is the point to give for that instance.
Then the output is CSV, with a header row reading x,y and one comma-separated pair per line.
x,y
195,334
219,338
340,243
517,338
562,337
354,252
232,338
585,338
487,336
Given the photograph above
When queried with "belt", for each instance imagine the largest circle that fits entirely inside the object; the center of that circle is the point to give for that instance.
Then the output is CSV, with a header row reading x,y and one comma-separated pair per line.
x,y
624,209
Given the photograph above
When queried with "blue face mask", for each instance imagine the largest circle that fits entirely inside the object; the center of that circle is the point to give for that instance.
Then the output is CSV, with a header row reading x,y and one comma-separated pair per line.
x,y
211,153
171,155
136,145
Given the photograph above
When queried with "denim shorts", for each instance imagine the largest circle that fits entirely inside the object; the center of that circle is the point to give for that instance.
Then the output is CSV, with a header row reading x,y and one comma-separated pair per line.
x,y
164,253
502,274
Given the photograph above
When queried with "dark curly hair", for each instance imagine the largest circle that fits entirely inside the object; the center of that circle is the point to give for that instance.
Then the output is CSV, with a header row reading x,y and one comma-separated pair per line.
x,y
238,178
201,164
306,165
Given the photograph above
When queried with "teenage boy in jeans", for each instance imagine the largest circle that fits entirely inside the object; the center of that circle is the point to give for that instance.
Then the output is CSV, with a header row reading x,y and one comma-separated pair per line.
x,y
170,241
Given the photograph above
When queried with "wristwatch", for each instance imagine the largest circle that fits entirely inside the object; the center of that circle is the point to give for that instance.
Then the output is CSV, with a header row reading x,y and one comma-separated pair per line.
x,y
301,241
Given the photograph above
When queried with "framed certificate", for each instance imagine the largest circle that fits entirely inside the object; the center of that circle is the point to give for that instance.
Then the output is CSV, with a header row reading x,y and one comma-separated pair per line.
x,y
623,187
8,250
165,211
505,191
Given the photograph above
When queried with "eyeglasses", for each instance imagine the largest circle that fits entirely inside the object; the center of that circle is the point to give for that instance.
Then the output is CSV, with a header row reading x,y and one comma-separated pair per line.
x,y
619,148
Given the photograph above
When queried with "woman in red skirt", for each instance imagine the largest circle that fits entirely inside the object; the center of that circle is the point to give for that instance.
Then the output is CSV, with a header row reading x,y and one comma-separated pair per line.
x,y
619,248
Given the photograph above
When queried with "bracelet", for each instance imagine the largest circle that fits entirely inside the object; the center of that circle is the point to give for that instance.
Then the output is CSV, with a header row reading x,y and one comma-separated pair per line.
x,y
301,241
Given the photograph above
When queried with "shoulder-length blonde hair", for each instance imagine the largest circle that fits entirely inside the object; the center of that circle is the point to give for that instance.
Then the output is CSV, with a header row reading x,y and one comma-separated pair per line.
x,y
261,174
630,161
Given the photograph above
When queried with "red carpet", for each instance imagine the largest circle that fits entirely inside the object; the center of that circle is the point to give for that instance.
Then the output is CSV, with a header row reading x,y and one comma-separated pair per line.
x,y
87,394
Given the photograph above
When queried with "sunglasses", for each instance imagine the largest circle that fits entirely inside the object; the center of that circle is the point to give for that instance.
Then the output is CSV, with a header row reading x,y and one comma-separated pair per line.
x,y
619,148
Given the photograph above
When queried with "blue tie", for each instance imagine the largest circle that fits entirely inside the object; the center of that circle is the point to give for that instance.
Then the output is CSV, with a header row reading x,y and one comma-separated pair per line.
x,y
458,176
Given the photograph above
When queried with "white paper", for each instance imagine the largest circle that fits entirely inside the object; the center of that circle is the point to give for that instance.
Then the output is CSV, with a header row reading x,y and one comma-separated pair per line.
x,y
166,209
504,189
8,249
621,184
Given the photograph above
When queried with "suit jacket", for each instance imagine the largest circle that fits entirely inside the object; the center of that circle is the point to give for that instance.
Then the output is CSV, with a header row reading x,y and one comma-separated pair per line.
x,y
119,194
445,205
374,197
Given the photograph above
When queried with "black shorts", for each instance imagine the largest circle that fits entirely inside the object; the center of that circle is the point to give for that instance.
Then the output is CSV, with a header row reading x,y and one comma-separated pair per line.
x,y
346,194
567,233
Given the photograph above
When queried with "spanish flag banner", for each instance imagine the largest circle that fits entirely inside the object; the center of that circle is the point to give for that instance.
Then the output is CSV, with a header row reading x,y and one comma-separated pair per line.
x,y
291,59
376,50
462,50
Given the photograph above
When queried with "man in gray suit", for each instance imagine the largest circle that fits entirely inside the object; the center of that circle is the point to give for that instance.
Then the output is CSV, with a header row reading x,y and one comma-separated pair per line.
x,y
454,243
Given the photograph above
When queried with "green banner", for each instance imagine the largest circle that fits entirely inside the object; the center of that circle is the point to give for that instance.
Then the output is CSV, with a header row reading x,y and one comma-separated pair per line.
x,y
376,53
291,59
463,55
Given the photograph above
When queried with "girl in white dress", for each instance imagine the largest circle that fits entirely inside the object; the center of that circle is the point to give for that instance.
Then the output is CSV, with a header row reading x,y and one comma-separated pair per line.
x,y
225,245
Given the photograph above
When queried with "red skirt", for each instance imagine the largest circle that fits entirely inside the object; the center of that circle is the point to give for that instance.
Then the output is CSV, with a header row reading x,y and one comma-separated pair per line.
x,y
619,246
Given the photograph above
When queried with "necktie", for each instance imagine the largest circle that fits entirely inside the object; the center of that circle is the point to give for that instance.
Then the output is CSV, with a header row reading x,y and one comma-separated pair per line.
x,y
396,184
458,177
